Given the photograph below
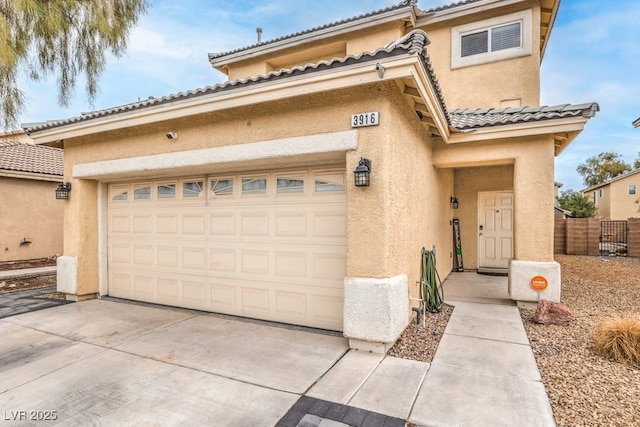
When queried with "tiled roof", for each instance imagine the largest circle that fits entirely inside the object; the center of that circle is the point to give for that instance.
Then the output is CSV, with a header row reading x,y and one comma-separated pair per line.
x,y
364,16
413,43
451,5
464,119
405,3
39,159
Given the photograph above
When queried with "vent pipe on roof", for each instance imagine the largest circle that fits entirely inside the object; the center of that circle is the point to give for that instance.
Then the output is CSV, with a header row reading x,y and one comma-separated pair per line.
x,y
259,31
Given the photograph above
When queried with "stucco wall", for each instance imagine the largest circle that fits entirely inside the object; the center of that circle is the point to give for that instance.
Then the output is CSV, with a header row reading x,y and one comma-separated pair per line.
x,y
29,209
367,40
508,82
468,182
533,185
485,85
406,207
603,203
321,114
623,205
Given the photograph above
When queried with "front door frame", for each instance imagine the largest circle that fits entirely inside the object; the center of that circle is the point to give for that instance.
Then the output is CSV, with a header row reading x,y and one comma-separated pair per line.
x,y
500,260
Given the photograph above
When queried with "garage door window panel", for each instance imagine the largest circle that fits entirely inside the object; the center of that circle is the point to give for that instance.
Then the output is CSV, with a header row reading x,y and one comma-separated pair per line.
x,y
329,183
222,187
288,185
192,189
254,186
166,191
142,192
119,193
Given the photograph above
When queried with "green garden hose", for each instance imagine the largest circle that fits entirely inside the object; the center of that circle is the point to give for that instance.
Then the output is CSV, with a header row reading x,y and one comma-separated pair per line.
x,y
430,284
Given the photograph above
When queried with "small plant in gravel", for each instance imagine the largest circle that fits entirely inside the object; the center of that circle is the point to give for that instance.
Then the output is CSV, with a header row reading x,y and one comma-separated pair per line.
x,y
618,339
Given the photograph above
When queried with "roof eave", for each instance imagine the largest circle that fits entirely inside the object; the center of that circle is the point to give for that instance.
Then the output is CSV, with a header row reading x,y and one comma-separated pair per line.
x,y
463,10
564,130
612,180
552,20
6,173
397,67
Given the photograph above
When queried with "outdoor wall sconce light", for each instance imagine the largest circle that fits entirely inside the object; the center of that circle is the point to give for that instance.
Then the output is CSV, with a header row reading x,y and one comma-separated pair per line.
x,y
362,173
62,192
454,202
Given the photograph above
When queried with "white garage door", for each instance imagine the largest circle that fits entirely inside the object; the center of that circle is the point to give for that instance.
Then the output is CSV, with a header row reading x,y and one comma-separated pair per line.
x,y
267,245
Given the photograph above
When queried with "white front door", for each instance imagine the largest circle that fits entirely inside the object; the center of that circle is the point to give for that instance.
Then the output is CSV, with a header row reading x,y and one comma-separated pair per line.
x,y
495,229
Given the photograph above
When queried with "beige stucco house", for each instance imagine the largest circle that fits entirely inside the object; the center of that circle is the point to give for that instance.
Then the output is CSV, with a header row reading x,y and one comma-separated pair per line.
x,y
240,198
31,218
617,198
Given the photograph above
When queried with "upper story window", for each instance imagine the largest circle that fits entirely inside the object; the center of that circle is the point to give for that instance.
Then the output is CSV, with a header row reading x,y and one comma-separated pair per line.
x,y
490,40
601,193
632,189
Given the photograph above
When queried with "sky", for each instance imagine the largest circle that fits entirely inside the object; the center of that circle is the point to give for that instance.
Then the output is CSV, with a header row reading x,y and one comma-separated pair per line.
x,y
592,56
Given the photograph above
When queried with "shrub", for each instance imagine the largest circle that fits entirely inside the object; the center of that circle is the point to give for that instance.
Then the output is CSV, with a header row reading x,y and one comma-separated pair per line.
x,y
618,339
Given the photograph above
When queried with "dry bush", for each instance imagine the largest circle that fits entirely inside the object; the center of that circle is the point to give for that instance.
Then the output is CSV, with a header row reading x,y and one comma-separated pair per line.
x,y
619,339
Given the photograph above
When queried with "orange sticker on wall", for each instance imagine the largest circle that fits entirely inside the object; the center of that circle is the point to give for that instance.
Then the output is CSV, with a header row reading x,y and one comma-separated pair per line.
x,y
539,283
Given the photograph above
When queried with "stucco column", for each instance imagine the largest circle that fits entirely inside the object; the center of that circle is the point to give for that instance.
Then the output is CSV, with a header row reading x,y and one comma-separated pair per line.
x,y
534,200
78,267
375,298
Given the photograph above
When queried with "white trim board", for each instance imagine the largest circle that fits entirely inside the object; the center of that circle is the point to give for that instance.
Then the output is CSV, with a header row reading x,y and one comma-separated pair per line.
x,y
183,161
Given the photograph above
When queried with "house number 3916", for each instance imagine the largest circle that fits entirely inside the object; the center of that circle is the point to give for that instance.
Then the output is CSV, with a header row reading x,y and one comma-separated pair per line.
x,y
365,119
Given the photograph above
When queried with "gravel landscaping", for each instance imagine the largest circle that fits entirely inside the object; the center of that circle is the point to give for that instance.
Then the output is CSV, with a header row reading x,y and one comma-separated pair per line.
x,y
584,389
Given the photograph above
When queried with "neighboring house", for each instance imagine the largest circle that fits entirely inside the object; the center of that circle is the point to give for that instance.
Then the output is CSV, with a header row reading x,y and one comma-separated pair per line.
x,y
240,198
31,218
616,198
558,211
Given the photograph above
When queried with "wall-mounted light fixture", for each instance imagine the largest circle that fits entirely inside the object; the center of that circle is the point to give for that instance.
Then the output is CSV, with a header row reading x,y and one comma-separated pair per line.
x,y
62,192
172,135
362,173
454,202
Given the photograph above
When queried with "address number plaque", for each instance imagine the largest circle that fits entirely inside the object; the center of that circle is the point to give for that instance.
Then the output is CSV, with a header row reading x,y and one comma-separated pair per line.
x,y
365,119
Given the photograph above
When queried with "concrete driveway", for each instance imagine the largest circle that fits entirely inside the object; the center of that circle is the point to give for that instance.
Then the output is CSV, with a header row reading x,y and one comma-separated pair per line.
x,y
103,362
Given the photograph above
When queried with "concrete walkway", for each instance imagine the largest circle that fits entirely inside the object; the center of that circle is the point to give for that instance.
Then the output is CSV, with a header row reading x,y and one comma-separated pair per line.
x,y
116,363
483,373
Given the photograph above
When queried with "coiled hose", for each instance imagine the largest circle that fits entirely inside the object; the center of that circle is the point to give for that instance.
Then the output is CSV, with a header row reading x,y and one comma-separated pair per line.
x,y
430,284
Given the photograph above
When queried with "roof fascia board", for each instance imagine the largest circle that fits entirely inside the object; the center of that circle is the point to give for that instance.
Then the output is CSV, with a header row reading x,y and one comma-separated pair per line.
x,y
544,127
396,67
463,10
431,100
30,175
346,27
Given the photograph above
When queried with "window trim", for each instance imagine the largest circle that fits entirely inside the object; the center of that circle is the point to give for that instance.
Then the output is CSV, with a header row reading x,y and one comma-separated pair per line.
x,y
525,17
